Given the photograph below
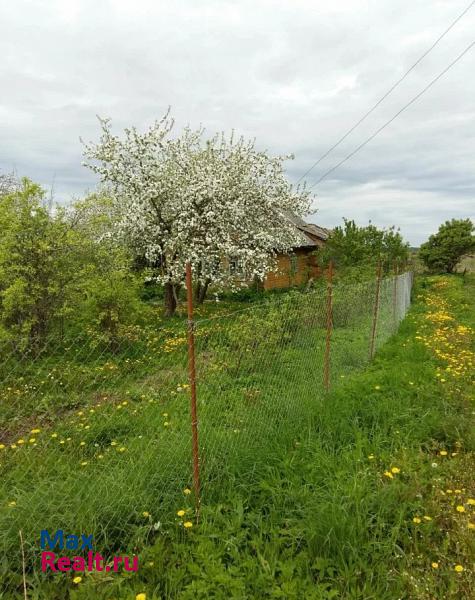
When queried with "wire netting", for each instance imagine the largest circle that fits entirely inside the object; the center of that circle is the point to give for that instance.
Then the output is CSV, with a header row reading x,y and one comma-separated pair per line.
x,y
96,438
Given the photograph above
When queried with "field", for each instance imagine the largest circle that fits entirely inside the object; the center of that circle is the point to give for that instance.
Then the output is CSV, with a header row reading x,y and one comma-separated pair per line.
x,y
350,494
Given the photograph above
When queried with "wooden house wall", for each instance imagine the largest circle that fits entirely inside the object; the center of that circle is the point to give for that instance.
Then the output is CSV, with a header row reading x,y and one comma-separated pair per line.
x,y
306,268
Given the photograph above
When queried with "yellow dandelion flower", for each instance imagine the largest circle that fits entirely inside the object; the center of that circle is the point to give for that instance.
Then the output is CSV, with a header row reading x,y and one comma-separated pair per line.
x,y
471,525
427,518
84,463
166,424
54,435
443,453
77,580
435,565
416,520
458,568
181,513
187,491
188,524
12,503
395,470
2,446
388,474
35,431
457,491
20,442
460,509
32,440
141,596
145,514
471,501
82,444
371,456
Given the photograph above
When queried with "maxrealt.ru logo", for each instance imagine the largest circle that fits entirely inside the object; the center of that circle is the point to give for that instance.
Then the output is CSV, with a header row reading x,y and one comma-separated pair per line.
x,y
93,561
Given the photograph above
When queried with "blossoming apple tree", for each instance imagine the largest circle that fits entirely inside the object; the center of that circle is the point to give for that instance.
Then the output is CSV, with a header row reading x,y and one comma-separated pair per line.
x,y
207,201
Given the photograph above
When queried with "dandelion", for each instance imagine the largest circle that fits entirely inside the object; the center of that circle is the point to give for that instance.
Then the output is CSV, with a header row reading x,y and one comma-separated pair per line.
x,y
20,442
32,440
166,424
145,514
77,580
471,501
416,520
458,568
84,463
141,596
2,446
165,415
54,435
100,456
187,491
443,453
435,565
377,387
427,518
35,431
371,456
388,474
188,524
181,513
12,503
113,443
460,509
82,444
395,470
457,491
471,525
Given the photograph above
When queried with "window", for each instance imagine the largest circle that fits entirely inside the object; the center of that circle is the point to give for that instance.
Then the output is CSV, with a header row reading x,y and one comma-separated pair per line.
x,y
293,265
235,266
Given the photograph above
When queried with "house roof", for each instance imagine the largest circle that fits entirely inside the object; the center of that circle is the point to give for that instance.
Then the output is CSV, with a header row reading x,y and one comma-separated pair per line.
x,y
309,233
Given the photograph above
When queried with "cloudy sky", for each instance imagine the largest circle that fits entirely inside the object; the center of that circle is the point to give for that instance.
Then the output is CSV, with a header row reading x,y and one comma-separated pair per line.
x,y
294,74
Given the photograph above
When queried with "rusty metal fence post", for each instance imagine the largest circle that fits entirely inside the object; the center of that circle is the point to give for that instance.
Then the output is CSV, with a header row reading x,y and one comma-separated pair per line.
x,y
326,372
375,311
192,377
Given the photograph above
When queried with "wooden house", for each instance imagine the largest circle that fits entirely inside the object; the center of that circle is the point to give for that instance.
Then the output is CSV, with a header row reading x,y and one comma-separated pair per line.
x,y
300,265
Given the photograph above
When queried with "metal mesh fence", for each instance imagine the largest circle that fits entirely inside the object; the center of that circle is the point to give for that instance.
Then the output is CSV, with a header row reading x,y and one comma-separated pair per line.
x,y
96,438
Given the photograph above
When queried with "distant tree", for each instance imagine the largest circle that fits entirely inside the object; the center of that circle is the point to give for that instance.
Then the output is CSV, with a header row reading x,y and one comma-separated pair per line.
x,y
445,248
358,248
204,201
8,183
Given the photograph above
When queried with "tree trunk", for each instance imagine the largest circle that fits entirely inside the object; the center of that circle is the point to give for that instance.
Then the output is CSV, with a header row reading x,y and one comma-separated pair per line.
x,y
170,299
201,293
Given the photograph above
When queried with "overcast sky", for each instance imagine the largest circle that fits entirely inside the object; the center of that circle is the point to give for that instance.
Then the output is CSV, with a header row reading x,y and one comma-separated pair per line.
x,y
294,74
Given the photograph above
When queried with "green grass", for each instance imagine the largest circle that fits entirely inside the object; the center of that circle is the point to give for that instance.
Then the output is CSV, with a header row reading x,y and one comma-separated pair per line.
x,y
293,507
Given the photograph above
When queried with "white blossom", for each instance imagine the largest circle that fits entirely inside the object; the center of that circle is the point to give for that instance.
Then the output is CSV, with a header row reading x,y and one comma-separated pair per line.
x,y
185,198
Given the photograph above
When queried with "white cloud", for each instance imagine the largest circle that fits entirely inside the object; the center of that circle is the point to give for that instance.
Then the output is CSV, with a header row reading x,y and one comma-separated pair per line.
x,y
294,74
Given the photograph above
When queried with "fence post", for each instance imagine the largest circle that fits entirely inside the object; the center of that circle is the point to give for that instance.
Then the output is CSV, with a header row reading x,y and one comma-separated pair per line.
x,y
395,302
326,372
376,310
192,377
